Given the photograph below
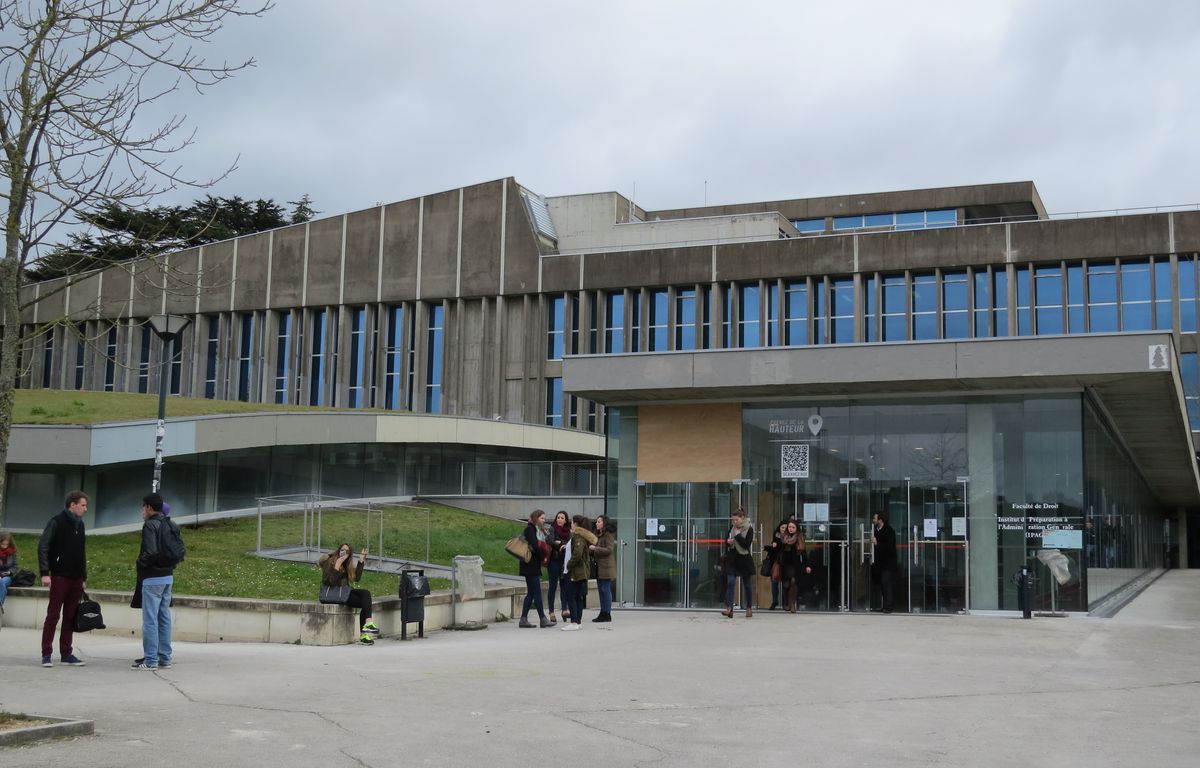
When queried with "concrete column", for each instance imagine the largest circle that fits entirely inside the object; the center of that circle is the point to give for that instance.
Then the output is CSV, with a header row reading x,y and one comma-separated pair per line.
x,y
626,514
981,498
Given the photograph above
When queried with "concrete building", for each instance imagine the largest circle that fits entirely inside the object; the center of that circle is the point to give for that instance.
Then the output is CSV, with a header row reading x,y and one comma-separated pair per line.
x,y
1011,388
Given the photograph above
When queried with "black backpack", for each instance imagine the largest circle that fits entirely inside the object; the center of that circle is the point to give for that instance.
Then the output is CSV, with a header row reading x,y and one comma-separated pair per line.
x,y
170,545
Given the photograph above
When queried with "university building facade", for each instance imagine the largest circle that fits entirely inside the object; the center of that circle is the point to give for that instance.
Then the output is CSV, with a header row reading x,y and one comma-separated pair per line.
x,y
1010,388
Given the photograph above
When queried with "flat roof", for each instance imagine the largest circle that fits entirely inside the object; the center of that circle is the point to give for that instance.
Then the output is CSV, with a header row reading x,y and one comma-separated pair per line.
x,y
1140,393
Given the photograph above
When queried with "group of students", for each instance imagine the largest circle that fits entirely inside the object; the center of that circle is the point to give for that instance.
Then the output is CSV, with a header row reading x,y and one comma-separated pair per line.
x,y
786,563
568,549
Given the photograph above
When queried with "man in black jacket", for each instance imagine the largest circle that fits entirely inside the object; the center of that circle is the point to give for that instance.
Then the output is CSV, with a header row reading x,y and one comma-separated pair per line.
x,y
884,539
155,572
62,561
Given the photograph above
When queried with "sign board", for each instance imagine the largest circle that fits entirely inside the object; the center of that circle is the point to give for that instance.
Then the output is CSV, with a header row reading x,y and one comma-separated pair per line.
x,y
816,513
958,526
1062,539
931,528
1042,522
793,460
651,526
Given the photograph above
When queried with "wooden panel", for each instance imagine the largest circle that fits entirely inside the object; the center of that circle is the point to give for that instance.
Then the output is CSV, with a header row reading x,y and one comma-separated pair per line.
x,y
690,443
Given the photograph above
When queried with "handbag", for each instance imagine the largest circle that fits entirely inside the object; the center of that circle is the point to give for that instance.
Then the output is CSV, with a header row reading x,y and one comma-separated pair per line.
x,y
334,594
777,572
765,569
518,548
87,615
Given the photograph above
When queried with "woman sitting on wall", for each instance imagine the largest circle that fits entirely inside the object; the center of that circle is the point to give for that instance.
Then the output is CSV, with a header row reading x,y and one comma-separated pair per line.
x,y
8,563
339,569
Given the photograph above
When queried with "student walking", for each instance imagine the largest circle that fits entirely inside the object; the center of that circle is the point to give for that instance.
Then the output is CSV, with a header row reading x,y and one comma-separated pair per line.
x,y
738,562
62,562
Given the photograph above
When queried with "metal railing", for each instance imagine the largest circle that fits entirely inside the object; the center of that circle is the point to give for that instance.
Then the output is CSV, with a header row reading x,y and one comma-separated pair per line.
x,y
308,524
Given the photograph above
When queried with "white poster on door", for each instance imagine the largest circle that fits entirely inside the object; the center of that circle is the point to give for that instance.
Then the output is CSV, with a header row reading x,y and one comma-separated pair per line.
x,y
958,526
816,513
651,526
931,528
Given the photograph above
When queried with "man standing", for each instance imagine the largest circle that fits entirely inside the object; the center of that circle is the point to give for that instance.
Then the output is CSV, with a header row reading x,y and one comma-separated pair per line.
x,y
884,539
62,561
155,570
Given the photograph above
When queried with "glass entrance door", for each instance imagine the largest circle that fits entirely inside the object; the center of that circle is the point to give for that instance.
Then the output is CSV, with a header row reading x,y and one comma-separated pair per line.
x,y
937,559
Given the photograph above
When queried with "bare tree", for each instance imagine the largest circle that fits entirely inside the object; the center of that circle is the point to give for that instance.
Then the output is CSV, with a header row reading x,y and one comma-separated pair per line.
x,y
77,76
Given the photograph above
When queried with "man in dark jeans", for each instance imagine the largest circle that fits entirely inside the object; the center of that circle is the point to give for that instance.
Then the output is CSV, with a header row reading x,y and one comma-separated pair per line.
x,y
62,561
884,539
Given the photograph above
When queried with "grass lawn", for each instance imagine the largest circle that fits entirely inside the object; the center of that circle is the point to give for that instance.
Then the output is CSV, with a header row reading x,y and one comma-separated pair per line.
x,y
56,406
219,564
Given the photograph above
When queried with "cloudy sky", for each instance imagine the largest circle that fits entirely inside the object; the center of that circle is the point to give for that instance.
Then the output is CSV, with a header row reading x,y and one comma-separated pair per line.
x,y
360,102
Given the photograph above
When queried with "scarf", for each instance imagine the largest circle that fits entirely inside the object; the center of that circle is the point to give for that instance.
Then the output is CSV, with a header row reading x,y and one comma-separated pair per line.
x,y
791,540
563,532
6,551
739,530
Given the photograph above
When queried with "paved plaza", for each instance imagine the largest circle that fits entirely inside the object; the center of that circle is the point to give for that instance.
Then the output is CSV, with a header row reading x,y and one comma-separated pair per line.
x,y
653,688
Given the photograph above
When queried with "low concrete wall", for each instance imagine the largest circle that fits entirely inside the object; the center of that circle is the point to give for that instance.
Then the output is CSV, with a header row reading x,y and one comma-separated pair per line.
x,y
248,620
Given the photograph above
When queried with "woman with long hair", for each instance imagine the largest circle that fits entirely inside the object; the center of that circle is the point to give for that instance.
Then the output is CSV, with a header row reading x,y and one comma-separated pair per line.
x,y
738,562
579,568
532,570
606,566
771,554
338,569
558,536
793,565
8,563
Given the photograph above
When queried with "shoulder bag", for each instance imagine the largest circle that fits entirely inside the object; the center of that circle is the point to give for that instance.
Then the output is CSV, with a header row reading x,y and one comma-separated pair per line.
x,y
519,548
334,595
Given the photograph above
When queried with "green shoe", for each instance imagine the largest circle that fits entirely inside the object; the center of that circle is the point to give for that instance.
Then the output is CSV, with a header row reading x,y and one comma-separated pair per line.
x,y
365,639
370,628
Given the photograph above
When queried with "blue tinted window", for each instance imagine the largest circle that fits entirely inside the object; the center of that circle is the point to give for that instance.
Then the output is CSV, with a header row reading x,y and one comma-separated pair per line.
x,y
316,387
870,317
954,291
614,323
773,335
1024,322
847,222
796,309
1136,317
555,323
955,326
809,225
983,305
726,317
658,320
924,307
1102,283
1162,294
842,300
1000,301
635,321
1102,318
554,402
1187,293
433,383
911,220
748,325
879,220
1075,312
894,293
1048,294
685,319
1135,281
946,218
706,316
819,315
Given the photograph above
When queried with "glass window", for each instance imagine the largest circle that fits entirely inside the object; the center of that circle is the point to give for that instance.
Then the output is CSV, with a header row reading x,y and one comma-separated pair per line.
x,y
1024,321
1075,299
808,226
1189,371
1135,296
847,222
748,323
614,323
555,323
911,220
1000,300
635,321
706,315
393,358
894,300
554,402
685,318
820,316
879,220
593,330
433,382
955,321
773,331
1048,293
80,355
316,359
924,307
1187,293
358,355
944,218
144,359
796,309
1102,297
211,348
870,316
983,305
1162,294
48,358
282,355
658,320
841,298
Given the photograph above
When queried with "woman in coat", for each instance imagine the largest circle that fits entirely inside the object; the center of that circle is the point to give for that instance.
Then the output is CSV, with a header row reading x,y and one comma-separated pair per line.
x,y
738,562
606,565
338,569
558,536
532,570
793,564
579,568
8,563
771,556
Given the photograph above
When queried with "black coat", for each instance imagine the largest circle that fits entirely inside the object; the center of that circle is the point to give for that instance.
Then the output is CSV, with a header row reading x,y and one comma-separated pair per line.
x,y
534,566
885,548
737,563
61,550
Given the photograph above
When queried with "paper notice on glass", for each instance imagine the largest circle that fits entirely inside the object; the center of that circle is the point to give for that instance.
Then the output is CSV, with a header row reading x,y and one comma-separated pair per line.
x,y
958,526
816,513
651,526
931,528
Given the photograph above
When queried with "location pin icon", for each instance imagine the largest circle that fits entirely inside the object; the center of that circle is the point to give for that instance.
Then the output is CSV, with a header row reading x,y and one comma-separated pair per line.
x,y
815,422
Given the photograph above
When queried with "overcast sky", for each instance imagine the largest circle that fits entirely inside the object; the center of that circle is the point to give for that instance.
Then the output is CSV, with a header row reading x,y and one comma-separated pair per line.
x,y
359,102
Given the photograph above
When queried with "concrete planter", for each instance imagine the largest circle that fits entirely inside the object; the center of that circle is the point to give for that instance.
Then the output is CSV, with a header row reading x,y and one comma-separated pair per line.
x,y
56,728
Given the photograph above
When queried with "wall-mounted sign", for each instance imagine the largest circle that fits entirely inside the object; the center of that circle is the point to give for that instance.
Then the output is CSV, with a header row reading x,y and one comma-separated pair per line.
x,y
651,526
816,512
958,526
1041,522
931,527
1158,357
797,426
793,460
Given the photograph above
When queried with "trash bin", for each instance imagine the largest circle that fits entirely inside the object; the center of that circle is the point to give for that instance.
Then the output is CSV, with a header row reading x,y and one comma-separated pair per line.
x,y
413,589
468,581
1024,580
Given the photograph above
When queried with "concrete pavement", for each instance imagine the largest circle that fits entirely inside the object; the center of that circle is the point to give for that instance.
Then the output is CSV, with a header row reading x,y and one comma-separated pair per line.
x,y
652,688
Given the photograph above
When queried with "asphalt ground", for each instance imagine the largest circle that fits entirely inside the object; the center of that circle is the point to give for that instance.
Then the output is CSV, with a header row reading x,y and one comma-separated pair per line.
x,y
653,688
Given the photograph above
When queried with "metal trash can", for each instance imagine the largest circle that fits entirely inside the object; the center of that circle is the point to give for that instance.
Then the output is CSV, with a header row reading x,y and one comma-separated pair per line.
x,y
413,589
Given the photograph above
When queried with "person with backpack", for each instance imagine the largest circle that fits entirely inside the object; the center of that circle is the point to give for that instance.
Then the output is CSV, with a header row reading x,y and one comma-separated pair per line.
x,y
162,550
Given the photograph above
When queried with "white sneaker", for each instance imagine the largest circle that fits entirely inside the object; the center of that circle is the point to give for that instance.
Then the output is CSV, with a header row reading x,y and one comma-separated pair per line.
x,y
570,627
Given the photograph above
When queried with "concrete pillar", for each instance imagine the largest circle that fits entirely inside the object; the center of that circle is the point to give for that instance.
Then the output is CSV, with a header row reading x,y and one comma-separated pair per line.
x,y
627,515
981,500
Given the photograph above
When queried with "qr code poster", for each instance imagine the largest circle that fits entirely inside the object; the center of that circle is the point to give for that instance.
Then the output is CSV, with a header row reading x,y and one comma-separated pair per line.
x,y
793,460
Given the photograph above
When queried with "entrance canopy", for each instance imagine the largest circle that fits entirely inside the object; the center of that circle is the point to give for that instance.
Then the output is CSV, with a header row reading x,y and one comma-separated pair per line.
x,y
1133,378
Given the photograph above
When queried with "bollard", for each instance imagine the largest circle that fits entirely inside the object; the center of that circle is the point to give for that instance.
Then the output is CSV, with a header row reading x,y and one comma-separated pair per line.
x,y
1024,589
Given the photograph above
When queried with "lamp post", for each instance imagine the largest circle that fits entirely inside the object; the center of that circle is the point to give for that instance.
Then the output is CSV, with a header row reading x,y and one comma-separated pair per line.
x,y
168,328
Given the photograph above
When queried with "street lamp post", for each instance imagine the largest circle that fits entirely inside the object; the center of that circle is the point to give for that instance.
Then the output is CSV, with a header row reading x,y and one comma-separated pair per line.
x,y
167,328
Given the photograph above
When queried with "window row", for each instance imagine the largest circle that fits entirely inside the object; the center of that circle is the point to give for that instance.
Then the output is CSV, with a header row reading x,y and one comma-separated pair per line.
x,y
897,222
